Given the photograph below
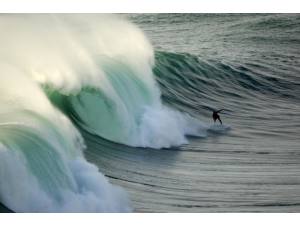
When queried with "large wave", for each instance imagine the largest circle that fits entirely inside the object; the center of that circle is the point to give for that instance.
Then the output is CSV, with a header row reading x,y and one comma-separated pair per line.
x,y
42,168
100,68
98,71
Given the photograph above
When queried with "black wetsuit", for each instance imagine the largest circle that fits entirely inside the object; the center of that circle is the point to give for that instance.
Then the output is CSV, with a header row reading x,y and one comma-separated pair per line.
x,y
216,116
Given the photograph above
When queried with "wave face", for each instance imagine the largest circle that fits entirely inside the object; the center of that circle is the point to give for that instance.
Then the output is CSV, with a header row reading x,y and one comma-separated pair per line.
x,y
98,71
41,162
42,168
75,80
248,64
100,68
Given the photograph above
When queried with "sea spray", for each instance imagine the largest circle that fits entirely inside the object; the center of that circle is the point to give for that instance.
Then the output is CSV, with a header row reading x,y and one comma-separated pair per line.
x,y
42,168
102,67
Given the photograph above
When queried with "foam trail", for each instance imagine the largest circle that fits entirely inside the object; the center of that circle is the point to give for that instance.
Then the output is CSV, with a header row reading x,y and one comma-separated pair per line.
x,y
42,168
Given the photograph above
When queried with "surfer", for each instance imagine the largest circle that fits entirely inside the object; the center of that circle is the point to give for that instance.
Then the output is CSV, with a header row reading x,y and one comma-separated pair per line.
x,y
216,116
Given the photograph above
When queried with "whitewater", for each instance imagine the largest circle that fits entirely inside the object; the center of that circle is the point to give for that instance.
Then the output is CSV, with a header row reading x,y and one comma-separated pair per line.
x,y
81,66
112,113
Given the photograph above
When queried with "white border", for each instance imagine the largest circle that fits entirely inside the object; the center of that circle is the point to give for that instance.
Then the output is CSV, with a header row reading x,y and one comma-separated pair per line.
x,y
151,219
149,6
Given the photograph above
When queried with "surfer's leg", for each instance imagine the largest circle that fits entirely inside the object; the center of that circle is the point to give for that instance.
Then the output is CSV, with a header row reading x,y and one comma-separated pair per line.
x,y
220,120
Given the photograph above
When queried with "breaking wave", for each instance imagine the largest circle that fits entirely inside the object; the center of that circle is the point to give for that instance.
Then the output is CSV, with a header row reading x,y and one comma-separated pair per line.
x,y
97,70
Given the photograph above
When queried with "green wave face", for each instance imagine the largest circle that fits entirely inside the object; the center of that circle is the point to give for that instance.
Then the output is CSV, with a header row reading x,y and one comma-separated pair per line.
x,y
114,114
129,112
45,159
42,168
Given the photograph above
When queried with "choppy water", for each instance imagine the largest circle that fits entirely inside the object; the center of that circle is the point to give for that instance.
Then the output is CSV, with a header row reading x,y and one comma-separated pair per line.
x,y
247,64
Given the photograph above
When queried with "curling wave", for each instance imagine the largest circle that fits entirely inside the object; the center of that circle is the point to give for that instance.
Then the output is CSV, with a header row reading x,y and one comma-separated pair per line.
x,y
101,68
98,71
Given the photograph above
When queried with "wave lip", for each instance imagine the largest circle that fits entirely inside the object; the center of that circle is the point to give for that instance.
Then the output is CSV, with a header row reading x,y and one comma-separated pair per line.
x,y
99,81
104,83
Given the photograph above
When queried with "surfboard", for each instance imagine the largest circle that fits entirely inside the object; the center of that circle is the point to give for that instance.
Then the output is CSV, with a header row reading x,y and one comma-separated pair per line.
x,y
219,128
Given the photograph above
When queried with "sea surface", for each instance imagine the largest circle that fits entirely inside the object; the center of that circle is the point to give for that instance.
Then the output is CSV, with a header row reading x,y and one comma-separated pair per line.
x,y
132,96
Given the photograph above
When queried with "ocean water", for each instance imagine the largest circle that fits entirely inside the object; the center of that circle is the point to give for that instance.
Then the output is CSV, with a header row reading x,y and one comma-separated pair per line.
x,y
112,113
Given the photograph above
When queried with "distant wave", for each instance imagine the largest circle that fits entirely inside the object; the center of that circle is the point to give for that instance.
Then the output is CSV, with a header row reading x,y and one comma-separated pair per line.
x,y
191,83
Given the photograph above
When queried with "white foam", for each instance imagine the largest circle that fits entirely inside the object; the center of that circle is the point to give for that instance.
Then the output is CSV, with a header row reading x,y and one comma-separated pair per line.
x,y
65,50
165,127
42,168
20,190
70,52
219,128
